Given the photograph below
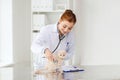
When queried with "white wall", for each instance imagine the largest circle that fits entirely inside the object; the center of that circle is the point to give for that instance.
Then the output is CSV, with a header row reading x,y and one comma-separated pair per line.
x,y
6,45
0,30
98,32
21,37
21,31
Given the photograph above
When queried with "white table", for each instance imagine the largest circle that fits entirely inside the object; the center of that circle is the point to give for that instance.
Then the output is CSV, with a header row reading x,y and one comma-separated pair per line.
x,y
23,72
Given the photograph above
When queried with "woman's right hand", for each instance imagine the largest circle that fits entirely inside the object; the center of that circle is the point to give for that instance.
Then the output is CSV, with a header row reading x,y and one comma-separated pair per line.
x,y
48,55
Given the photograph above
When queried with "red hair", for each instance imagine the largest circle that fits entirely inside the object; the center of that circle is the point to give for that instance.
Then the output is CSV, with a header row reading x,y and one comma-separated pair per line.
x,y
69,16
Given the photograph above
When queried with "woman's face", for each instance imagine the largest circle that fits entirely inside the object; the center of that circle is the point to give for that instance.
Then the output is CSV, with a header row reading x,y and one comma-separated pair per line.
x,y
65,27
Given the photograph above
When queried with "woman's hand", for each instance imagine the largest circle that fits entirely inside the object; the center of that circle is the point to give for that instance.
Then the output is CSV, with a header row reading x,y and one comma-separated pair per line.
x,y
48,55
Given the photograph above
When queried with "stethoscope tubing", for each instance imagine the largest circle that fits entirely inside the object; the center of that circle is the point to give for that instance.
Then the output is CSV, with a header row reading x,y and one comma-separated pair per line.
x,y
60,38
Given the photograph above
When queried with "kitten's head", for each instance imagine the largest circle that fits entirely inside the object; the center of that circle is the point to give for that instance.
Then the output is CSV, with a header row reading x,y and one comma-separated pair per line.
x,y
62,54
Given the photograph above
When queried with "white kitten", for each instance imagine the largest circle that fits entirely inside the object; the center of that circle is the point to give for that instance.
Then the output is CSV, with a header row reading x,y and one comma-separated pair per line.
x,y
54,66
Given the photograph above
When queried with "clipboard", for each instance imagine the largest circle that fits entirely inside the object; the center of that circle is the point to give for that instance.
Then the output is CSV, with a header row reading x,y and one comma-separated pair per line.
x,y
72,69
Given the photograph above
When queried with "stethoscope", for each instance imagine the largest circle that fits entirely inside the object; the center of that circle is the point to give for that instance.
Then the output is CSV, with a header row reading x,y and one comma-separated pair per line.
x,y
60,39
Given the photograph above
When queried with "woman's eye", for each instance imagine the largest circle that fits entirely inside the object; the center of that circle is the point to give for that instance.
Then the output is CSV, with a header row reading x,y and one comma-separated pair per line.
x,y
69,28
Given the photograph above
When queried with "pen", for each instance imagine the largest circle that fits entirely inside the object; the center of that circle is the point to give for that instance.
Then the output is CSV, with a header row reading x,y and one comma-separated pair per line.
x,y
74,70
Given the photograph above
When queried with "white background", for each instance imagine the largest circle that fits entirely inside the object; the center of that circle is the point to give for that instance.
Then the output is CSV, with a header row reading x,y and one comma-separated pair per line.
x,y
98,32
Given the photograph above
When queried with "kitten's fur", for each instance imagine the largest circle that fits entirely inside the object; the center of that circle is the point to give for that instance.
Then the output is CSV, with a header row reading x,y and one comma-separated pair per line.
x,y
53,66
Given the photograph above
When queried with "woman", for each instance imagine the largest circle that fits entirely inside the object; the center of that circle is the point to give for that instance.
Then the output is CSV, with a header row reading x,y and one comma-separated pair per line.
x,y
53,38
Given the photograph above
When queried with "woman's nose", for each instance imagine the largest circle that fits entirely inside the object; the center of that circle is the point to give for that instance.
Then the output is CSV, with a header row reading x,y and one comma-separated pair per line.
x,y
66,30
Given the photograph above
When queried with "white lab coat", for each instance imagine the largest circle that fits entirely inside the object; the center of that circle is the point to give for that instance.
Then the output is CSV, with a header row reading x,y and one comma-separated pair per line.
x,y
49,38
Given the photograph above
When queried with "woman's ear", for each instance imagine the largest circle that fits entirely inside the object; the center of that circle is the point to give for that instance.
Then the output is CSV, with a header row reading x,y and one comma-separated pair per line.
x,y
58,23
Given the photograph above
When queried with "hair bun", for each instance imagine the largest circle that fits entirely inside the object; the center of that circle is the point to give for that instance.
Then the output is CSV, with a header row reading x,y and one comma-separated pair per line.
x,y
69,16
69,11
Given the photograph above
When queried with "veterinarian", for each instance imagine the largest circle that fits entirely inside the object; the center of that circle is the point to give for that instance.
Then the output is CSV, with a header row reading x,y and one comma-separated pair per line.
x,y
55,37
